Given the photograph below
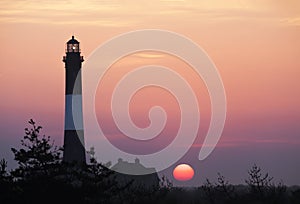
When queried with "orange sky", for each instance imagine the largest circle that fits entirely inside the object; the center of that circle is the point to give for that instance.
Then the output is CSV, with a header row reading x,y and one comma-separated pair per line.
x,y
254,44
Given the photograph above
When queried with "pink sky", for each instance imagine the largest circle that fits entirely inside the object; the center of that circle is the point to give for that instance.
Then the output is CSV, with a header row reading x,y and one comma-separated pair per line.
x,y
254,44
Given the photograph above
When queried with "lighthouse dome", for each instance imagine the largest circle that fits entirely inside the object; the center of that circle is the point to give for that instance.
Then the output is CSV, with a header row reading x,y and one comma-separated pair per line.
x,y
73,41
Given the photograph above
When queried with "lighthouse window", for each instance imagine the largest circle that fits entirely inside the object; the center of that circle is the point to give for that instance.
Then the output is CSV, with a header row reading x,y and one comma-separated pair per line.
x,y
73,48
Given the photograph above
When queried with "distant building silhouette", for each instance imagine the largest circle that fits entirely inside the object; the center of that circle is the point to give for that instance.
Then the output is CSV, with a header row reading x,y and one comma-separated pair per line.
x,y
73,135
150,178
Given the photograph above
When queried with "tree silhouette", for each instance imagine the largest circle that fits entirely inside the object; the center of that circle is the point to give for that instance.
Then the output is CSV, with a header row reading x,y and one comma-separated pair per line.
x,y
6,182
42,177
258,182
38,156
225,187
209,190
3,172
263,188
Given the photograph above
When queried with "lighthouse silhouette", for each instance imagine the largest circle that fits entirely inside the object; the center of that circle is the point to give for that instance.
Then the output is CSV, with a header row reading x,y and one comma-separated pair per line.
x,y
74,150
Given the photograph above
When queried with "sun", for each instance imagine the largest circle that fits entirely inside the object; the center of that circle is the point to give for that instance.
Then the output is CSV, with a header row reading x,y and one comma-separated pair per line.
x,y
183,172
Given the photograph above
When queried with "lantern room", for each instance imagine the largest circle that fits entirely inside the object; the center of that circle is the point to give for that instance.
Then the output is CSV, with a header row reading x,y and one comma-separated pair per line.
x,y
72,46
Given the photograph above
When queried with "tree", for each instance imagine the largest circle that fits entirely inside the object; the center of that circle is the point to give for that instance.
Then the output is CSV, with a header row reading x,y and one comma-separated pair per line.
x,y
38,156
6,183
3,172
225,187
258,182
209,191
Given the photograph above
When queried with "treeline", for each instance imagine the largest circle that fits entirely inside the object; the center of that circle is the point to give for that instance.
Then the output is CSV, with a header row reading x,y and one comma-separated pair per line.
x,y
259,188
42,177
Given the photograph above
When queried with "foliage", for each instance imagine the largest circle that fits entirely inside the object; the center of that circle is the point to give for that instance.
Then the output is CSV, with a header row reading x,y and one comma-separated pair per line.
x,y
38,155
225,188
263,188
42,177
3,172
257,181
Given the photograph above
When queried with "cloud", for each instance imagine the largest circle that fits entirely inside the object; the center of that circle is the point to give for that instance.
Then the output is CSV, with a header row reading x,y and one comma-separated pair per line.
x,y
291,21
63,12
117,13
249,142
148,55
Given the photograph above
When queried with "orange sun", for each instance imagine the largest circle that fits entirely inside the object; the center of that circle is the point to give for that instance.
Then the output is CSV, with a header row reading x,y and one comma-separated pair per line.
x,y
183,172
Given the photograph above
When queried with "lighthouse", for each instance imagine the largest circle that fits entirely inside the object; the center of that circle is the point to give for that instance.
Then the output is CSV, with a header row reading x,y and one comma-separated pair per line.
x,y
74,150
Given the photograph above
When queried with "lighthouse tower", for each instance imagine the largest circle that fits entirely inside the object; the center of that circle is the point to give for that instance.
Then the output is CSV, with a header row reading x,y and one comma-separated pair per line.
x,y
74,150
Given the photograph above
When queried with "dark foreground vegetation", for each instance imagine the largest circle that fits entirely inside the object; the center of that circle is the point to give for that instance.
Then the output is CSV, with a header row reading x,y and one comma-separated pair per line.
x,y
42,177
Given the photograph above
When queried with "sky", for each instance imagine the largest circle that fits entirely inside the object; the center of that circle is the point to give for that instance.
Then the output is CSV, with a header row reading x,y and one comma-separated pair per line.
x,y
254,44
